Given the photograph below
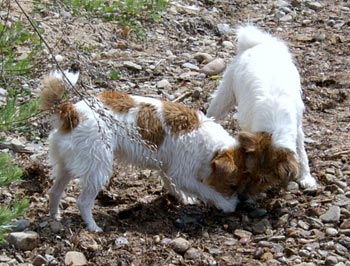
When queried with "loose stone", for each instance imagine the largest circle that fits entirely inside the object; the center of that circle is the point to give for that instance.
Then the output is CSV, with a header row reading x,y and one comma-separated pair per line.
x,y
74,258
180,245
192,254
331,231
23,240
332,215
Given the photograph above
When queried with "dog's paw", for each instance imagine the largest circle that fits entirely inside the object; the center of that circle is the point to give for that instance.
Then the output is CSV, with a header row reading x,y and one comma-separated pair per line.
x,y
228,205
189,200
307,181
94,228
55,216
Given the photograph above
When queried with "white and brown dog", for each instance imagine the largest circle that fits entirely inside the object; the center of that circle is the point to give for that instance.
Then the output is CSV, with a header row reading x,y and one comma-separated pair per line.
x,y
264,84
196,155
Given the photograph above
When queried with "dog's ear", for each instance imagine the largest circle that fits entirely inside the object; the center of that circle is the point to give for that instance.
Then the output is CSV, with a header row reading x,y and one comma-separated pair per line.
x,y
287,167
223,177
247,141
254,142
223,164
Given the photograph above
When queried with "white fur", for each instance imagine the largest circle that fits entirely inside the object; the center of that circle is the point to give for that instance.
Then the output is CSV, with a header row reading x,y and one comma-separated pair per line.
x,y
87,153
264,83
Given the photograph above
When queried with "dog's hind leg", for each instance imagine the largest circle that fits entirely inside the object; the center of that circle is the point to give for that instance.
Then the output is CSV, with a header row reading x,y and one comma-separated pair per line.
x,y
62,178
95,177
85,204
223,99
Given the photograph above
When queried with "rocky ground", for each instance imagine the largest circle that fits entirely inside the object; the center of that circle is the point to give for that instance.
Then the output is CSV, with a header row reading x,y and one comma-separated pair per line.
x,y
142,224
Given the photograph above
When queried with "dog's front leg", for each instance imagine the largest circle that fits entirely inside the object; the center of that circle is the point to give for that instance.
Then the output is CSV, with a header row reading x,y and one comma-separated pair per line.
x,y
178,194
305,180
208,194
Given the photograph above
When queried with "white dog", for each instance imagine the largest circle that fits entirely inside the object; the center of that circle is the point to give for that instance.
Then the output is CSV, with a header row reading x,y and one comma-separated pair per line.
x,y
264,83
197,156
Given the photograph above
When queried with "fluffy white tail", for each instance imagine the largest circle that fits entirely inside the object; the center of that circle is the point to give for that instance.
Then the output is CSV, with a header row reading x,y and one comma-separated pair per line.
x,y
249,36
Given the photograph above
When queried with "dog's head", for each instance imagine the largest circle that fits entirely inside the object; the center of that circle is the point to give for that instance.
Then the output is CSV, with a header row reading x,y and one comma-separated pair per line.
x,y
227,175
267,166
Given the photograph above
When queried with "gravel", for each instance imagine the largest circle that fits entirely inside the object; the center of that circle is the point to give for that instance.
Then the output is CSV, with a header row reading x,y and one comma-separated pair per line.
x,y
292,227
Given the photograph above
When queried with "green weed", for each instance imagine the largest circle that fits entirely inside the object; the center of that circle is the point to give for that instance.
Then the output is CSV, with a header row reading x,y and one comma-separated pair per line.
x,y
132,13
9,173
18,45
14,115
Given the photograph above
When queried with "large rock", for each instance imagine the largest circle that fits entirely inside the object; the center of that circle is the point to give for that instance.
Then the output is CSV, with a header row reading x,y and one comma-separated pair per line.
x,y
23,240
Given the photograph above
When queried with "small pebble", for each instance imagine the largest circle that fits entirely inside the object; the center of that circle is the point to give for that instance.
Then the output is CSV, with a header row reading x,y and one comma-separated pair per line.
x,y
332,215
192,254
163,84
331,231
314,5
132,65
242,233
286,18
203,58
320,37
121,242
227,44
190,66
180,245
258,253
56,226
165,241
59,58
330,261
215,67
292,186
20,225
75,258
304,253
225,29
39,260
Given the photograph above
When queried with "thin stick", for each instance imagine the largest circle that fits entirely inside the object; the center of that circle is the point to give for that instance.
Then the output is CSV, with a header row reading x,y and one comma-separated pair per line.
x,y
183,96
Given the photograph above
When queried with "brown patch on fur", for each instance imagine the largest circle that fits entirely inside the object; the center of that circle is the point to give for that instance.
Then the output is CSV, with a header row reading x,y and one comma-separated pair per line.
x,y
119,102
268,166
149,125
180,118
228,172
69,117
52,93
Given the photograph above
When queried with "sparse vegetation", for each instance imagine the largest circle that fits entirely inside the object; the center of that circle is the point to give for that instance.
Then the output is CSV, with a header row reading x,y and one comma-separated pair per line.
x,y
18,46
14,115
131,13
9,173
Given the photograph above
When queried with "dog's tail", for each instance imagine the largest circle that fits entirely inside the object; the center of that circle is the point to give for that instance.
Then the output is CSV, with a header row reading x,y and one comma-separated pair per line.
x,y
249,36
51,97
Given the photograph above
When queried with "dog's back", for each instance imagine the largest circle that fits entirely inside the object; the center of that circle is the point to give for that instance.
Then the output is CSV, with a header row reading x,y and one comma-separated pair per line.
x,y
266,82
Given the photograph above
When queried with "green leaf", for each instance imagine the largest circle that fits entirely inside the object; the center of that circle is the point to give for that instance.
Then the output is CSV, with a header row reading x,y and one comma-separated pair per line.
x,y
115,74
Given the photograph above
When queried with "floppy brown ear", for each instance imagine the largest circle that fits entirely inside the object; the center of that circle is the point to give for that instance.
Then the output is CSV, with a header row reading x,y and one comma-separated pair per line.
x,y
223,164
288,168
247,141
